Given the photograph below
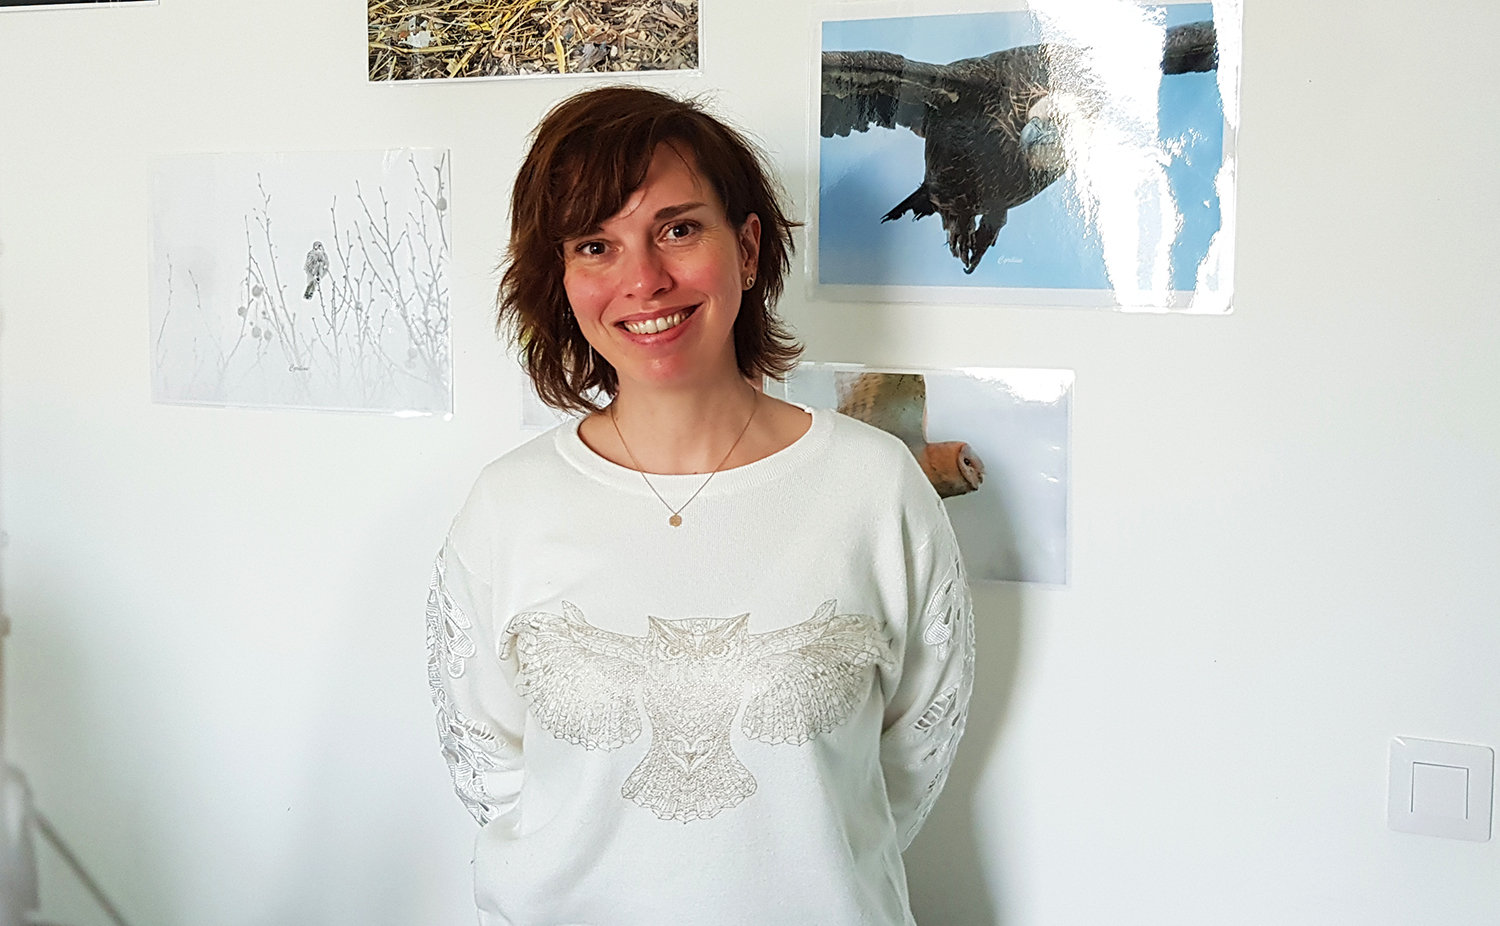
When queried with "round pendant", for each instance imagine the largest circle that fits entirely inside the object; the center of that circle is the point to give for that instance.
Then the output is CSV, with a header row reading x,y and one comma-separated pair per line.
x,y
675,520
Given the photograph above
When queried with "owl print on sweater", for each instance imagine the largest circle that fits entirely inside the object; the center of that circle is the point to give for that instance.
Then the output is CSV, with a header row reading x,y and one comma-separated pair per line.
x,y
589,687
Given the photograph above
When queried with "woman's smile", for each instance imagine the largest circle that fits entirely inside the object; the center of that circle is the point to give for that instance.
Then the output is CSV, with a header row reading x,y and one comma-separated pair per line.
x,y
657,324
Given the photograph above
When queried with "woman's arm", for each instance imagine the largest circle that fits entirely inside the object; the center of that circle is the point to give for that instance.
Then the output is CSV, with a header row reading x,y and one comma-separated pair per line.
x,y
925,718
480,719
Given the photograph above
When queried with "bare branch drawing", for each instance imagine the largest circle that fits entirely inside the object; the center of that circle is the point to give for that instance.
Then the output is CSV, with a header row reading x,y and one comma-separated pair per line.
x,y
369,331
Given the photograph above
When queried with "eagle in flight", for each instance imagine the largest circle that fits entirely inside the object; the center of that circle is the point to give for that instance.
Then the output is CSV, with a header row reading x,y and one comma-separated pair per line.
x,y
992,128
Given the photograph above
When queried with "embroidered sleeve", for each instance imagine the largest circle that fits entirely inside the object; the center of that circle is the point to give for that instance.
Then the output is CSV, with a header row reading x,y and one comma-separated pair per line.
x,y
925,718
476,727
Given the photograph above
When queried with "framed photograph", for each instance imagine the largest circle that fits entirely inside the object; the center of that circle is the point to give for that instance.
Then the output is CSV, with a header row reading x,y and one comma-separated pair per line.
x,y
67,4
458,39
310,280
994,442
1056,155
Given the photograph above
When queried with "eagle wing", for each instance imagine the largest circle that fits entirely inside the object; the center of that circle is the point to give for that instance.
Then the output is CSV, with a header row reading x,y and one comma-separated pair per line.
x,y
1190,47
893,402
807,678
864,89
580,681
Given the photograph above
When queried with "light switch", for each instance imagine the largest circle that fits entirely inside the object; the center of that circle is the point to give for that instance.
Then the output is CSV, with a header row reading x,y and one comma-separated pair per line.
x,y
1441,789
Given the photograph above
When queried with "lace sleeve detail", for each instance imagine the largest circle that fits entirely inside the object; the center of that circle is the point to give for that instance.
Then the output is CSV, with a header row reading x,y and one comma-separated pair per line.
x,y
938,676
472,744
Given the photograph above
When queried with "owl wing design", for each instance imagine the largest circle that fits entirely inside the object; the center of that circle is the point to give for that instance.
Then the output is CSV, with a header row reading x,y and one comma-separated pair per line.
x,y
582,683
807,678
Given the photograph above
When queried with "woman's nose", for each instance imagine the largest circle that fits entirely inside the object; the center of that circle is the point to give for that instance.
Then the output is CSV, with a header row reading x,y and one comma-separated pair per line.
x,y
646,273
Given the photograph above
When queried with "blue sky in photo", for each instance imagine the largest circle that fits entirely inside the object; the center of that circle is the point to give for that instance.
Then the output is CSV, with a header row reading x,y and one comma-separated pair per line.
x,y
1044,243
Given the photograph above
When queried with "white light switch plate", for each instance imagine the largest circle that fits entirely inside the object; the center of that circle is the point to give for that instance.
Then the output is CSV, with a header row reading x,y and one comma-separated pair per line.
x,y
1441,789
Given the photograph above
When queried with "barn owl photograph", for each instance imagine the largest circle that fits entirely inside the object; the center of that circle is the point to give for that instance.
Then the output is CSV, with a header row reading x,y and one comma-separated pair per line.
x,y
994,443
689,678
897,403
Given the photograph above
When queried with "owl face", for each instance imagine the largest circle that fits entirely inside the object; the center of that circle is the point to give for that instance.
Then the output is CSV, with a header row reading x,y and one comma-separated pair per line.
x,y
953,467
697,639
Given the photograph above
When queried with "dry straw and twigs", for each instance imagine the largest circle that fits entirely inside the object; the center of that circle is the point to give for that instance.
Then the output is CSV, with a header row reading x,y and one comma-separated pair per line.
x,y
411,39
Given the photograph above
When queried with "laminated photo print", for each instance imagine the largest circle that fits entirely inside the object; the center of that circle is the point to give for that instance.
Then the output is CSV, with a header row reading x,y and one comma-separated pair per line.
x,y
1075,153
459,39
303,280
993,442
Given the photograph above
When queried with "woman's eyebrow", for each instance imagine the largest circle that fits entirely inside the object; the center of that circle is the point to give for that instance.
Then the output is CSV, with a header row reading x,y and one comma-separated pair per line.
x,y
673,211
662,215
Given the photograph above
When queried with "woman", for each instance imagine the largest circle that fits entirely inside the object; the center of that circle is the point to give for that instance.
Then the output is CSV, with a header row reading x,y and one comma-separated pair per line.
x,y
702,656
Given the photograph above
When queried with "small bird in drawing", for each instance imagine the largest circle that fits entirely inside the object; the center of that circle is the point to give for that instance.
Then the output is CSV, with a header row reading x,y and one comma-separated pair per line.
x,y
993,127
316,267
897,403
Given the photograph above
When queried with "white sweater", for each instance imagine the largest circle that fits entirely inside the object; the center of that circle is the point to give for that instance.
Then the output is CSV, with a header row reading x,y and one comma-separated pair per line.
x,y
742,720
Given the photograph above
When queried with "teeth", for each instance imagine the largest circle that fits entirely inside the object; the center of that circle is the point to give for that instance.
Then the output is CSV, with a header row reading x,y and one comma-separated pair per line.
x,y
656,325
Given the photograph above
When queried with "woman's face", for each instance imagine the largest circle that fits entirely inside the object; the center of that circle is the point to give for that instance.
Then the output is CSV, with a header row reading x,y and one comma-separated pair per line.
x,y
656,288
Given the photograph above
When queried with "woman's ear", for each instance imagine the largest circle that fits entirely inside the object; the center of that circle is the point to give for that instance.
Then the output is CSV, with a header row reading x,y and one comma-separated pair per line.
x,y
749,246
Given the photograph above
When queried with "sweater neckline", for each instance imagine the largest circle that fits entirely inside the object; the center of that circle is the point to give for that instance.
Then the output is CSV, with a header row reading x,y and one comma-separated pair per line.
x,y
788,459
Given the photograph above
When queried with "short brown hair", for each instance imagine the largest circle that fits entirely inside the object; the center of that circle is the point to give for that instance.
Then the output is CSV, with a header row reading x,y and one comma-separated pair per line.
x,y
588,155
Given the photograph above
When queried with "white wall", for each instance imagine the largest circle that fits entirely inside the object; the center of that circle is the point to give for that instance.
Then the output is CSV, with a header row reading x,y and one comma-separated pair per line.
x,y
1286,521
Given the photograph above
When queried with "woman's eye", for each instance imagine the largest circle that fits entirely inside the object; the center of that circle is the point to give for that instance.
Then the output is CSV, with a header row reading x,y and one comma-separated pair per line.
x,y
680,230
591,248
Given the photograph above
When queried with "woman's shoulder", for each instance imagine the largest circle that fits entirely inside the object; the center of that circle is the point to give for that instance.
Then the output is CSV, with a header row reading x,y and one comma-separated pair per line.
x,y
503,490
530,459
523,472
870,446
876,463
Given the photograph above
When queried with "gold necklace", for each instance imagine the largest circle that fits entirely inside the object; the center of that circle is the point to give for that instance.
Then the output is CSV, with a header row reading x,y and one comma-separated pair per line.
x,y
676,519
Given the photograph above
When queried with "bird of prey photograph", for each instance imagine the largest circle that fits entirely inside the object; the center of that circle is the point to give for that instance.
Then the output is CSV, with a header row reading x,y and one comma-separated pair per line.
x,y
993,442
897,404
1009,150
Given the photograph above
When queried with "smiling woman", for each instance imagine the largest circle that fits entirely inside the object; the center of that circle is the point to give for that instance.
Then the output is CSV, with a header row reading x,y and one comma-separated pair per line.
x,y
605,670
593,154
656,288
